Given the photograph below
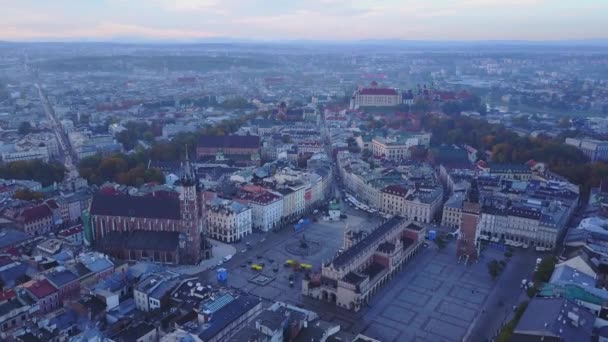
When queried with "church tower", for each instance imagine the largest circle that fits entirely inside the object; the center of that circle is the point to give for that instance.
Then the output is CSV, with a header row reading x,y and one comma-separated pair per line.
x,y
190,237
467,248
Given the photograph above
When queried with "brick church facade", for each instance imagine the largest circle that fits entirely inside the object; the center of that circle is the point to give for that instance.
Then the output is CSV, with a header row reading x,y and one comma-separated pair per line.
x,y
165,229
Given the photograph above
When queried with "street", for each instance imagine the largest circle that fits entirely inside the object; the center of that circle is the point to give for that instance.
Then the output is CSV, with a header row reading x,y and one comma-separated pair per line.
x,y
69,157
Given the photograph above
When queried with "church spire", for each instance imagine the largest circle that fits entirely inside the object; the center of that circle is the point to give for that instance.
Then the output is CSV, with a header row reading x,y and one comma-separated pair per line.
x,y
187,173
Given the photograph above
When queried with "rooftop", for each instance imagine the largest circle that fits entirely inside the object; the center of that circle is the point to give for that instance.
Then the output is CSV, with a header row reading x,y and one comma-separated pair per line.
x,y
135,332
555,317
378,91
373,237
228,314
136,206
41,289
229,141
61,278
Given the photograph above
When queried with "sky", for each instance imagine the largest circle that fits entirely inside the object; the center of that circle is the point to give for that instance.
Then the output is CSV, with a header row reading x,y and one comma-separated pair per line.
x,y
190,20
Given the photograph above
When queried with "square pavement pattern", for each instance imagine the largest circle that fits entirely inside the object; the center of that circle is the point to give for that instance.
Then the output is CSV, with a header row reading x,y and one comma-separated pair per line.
x,y
433,299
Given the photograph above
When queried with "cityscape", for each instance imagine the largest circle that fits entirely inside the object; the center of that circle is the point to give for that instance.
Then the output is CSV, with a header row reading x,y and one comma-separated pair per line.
x,y
263,190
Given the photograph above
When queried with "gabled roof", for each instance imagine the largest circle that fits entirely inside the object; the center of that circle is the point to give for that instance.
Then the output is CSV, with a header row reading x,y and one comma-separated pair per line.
x,y
229,141
136,206
61,278
41,289
378,91
36,213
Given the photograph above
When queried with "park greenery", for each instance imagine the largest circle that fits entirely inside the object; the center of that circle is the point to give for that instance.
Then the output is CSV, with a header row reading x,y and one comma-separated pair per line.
x,y
120,168
135,131
37,170
28,195
508,147
131,169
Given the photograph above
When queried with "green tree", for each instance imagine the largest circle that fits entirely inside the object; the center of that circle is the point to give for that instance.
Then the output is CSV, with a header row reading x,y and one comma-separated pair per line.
x,y
28,195
37,170
545,270
25,128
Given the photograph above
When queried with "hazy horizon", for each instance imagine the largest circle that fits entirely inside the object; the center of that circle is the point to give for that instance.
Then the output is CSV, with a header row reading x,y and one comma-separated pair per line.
x,y
313,20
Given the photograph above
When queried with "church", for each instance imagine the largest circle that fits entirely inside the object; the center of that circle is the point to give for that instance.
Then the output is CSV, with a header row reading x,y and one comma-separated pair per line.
x,y
164,229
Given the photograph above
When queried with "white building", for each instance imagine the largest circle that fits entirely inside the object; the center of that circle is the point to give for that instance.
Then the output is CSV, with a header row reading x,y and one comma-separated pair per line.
x,y
266,209
294,202
39,153
396,148
375,97
227,220
414,204
592,148
150,291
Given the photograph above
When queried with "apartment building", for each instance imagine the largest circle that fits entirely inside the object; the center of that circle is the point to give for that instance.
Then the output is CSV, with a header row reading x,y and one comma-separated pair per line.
x,y
592,148
228,220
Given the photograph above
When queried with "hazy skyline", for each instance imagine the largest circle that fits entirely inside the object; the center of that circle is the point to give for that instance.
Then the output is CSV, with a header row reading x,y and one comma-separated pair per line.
x,y
186,20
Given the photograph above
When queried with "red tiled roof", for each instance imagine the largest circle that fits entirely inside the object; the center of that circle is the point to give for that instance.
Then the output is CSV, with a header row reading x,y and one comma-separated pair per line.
x,y
36,213
395,190
6,295
259,197
378,91
482,164
71,231
52,204
42,288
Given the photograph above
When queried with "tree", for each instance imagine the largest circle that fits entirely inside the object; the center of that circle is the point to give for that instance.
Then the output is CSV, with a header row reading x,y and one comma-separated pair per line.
x,y
451,108
545,270
25,128
28,195
37,170
564,122
494,269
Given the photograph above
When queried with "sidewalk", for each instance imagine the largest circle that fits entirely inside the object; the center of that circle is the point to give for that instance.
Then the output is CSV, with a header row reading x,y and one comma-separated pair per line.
x,y
219,251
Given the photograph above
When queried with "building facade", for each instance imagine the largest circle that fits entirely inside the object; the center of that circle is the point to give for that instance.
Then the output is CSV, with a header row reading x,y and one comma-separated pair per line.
x,y
116,216
366,264
375,96
228,221
398,148
414,204
592,148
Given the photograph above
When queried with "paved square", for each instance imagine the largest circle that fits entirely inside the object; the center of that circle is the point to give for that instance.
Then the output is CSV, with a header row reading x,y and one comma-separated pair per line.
x,y
414,297
433,299
400,314
444,329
